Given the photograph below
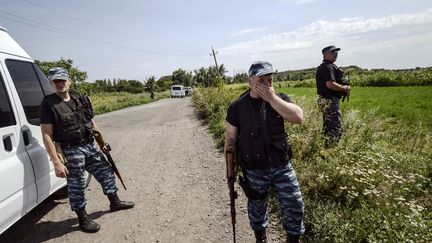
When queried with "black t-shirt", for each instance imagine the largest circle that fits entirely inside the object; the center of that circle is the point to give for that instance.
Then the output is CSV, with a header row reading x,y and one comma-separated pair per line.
x,y
326,72
256,103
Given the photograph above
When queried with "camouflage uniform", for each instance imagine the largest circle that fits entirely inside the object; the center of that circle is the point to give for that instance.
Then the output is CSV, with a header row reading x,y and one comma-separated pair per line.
x,y
86,157
332,118
284,183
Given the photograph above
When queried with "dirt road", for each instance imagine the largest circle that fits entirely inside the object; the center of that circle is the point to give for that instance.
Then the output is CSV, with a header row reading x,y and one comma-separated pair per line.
x,y
173,173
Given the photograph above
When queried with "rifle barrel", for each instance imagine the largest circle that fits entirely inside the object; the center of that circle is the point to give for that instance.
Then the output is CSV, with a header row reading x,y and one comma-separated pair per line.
x,y
233,196
114,167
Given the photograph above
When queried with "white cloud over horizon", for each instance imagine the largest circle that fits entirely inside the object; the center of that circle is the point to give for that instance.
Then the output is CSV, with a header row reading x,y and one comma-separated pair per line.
x,y
247,31
298,2
322,31
374,42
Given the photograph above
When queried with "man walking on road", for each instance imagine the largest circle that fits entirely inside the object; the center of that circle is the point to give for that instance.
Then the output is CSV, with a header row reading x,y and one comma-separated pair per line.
x,y
330,88
255,130
67,119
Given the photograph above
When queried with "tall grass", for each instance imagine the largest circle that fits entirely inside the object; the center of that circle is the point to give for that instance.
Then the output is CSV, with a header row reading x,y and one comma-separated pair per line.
x,y
374,187
107,102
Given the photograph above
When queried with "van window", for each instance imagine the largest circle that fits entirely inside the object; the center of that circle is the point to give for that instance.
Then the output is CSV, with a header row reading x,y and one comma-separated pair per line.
x,y
176,88
28,87
46,86
7,117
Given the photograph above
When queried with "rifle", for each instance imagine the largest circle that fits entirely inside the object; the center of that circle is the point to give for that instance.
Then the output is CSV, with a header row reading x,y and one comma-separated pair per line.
x,y
345,81
233,197
106,148
230,160
112,164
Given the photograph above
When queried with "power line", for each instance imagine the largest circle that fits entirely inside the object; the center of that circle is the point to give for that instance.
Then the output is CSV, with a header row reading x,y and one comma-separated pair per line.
x,y
57,30
106,28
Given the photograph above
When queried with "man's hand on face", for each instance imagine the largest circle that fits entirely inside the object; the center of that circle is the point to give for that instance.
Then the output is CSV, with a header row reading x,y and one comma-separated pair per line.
x,y
264,89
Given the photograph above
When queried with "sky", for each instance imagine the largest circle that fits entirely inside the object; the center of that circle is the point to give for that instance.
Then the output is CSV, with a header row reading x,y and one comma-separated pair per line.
x,y
135,39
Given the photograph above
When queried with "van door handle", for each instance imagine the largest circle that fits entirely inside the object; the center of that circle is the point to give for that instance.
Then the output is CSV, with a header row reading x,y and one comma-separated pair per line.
x,y
26,135
7,143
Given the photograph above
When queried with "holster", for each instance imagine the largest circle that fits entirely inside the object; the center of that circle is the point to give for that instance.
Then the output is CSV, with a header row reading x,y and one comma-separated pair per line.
x,y
248,191
60,153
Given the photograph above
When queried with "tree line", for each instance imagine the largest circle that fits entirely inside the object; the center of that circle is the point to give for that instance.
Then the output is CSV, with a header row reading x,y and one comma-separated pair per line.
x,y
214,77
205,77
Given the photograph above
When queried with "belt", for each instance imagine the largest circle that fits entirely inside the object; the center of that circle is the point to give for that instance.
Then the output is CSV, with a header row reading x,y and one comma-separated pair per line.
x,y
81,142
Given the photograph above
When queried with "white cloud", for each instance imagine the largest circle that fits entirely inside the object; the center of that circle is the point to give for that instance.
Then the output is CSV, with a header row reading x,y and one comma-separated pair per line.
x,y
298,2
369,43
322,32
246,31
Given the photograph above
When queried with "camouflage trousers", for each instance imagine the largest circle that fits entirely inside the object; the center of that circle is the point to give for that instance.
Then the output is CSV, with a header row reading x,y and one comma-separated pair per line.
x,y
81,158
283,181
332,118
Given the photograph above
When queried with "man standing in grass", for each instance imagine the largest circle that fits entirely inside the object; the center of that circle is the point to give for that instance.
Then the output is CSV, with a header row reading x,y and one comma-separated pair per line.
x,y
255,132
67,119
330,89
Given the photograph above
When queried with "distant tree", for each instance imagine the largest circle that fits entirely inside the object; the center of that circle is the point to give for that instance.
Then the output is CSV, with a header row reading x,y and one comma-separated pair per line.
x,y
164,83
240,78
201,76
182,77
150,86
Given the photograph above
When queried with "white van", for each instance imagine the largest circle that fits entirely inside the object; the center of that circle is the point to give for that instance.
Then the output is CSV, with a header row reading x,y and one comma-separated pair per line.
x,y
177,91
27,175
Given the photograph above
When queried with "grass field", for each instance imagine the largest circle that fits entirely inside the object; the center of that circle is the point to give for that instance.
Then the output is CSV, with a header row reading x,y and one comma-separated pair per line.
x,y
410,104
376,185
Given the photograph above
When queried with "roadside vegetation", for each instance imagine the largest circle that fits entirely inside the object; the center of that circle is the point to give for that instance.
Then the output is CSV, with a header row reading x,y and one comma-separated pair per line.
x,y
376,185
107,102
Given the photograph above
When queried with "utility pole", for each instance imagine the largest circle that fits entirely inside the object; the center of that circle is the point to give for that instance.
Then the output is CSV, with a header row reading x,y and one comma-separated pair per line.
x,y
214,56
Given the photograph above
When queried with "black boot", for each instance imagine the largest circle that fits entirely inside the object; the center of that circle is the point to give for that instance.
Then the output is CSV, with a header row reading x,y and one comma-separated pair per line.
x,y
116,204
293,238
85,222
260,236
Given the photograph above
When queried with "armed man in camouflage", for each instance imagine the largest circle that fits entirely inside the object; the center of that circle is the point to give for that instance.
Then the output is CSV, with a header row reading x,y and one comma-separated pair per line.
x,y
255,129
67,119
330,88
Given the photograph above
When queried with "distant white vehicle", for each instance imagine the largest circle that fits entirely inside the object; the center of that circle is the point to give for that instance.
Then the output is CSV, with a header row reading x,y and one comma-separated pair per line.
x,y
188,91
177,91
27,175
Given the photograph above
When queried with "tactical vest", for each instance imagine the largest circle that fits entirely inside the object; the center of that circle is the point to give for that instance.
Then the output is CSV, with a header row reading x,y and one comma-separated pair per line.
x,y
262,141
321,84
72,120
